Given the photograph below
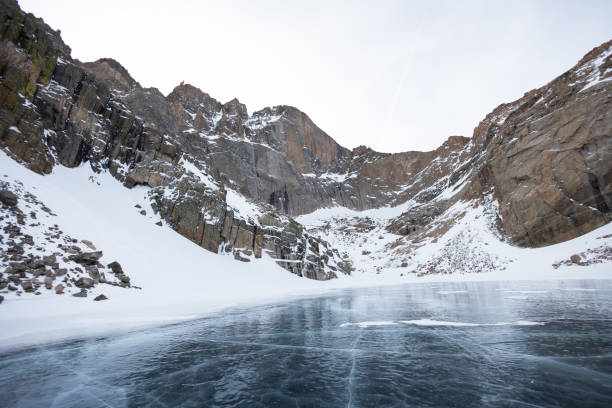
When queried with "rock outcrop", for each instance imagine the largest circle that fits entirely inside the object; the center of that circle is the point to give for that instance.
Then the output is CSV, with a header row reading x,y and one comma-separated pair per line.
x,y
548,156
36,255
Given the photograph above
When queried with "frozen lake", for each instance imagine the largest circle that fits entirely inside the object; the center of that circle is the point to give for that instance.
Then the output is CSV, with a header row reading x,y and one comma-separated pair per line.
x,y
453,344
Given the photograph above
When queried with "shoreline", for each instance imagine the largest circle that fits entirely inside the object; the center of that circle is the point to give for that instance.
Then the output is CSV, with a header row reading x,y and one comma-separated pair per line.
x,y
82,327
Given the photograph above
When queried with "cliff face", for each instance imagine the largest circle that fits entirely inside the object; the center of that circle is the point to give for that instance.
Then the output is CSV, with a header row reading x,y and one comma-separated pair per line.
x,y
549,155
545,158
230,181
58,111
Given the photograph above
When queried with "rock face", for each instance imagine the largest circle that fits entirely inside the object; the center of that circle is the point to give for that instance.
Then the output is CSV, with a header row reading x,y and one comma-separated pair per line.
x,y
548,155
230,181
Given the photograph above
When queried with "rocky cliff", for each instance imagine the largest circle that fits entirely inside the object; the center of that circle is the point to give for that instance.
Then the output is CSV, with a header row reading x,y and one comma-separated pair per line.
x,y
55,110
231,182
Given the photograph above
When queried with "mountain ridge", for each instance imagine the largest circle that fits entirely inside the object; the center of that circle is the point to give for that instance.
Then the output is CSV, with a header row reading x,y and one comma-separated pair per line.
x,y
540,166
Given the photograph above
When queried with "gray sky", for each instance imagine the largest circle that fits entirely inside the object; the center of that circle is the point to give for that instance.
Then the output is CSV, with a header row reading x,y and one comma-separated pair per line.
x,y
392,75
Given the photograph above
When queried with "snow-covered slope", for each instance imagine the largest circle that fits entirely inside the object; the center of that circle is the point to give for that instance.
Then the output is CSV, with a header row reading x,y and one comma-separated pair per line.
x,y
464,241
178,278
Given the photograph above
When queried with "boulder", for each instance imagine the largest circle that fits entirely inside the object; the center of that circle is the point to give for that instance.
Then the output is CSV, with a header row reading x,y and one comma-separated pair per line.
x,y
86,258
36,263
27,285
100,297
123,278
39,271
49,260
59,289
8,198
94,273
84,282
576,259
115,267
82,293
89,244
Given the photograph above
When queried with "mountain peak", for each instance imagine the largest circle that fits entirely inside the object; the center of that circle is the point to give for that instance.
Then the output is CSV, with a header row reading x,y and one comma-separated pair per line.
x,y
112,73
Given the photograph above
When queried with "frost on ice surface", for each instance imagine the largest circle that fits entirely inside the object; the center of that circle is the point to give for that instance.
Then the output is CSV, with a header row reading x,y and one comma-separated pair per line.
x,y
429,322
369,324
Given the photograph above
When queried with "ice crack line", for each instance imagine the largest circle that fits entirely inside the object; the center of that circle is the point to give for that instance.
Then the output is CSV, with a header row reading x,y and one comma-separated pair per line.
x,y
352,371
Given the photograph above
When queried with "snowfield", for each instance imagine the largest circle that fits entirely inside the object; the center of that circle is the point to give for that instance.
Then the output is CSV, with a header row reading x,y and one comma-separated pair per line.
x,y
181,280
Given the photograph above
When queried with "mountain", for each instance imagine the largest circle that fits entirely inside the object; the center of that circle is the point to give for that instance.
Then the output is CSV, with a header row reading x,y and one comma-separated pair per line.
x,y
536,172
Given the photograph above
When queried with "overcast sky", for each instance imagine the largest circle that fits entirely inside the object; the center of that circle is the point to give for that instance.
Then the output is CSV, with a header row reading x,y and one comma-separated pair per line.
x,y
392,75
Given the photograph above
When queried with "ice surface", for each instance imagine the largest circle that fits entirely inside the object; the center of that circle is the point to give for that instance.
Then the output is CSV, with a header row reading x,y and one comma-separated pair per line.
x,y
451,292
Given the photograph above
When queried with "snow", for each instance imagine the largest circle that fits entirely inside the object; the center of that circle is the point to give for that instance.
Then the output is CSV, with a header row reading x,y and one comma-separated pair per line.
x,y
471,244
203,177
242,206
259,122
15,129
325,215
592,73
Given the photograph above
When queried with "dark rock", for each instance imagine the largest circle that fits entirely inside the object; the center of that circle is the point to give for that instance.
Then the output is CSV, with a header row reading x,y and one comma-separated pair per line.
x,y
123,278
576,259
94,273
27,285
36,263
86,258
8,198
115,267
59,289
39,271
159,223
49,260
18,266
1,299
89,244
100,297
82,293
84,282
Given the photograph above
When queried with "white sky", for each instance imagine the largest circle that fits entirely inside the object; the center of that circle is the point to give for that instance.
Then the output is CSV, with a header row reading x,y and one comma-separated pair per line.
x,y
393,75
